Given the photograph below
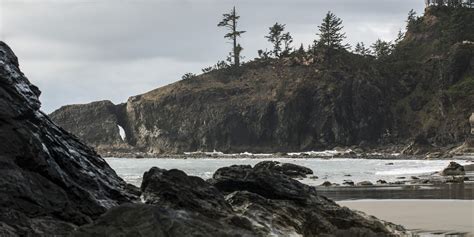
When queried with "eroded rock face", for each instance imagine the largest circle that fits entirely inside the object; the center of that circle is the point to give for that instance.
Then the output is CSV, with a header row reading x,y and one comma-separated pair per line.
x,y
258,203
50,182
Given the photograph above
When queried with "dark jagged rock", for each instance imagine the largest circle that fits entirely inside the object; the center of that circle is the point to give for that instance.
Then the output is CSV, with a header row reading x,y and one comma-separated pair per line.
x,y
181,205
141,220
453,169
314,216
50,182
263,182
348,182
174,189
291,170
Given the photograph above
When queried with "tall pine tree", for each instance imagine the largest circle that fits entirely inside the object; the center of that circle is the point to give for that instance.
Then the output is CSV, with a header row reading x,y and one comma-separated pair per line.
x,y
229,21
361,49
382,48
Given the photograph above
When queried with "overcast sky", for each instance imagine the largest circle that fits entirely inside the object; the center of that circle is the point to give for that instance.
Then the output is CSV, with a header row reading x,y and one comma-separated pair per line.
x,y
78,51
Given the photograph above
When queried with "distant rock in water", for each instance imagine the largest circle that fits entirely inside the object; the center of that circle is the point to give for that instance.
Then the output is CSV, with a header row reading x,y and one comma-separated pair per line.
x,y
289,169
50,182
244,201
453,169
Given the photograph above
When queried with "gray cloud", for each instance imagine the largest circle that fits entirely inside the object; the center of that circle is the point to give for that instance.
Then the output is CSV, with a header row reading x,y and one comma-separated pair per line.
x,y
78,51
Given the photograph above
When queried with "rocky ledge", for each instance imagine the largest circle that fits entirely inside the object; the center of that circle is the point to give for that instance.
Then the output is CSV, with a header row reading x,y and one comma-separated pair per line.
x,y
237,201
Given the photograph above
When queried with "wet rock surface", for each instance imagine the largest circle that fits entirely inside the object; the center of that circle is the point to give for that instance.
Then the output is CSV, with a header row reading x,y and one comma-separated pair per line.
x,y
50,182
238,201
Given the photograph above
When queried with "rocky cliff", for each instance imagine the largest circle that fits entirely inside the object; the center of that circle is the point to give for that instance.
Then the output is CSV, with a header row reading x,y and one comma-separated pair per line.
x,y
420,96
50,182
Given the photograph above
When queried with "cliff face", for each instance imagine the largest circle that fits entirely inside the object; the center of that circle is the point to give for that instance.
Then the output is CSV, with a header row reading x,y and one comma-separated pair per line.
x,y
269,106
50,182
422,90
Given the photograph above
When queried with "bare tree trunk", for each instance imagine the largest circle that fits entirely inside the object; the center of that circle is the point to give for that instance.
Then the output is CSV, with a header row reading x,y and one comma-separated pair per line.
x,y
236,51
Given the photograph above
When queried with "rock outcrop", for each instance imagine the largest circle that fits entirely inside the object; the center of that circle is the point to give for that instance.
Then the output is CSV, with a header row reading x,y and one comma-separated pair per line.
x,y
98,124
423,89
244,201
50,182
453,169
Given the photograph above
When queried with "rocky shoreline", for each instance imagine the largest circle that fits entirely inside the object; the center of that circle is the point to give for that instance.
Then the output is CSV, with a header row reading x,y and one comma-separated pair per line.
x,y
54,185
329,154
237,201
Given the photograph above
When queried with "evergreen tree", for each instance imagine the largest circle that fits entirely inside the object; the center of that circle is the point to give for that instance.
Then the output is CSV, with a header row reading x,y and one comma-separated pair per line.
x,y
301,50
411,18
281,41
382,48
361,49
330,33
287,41
400,37
229,21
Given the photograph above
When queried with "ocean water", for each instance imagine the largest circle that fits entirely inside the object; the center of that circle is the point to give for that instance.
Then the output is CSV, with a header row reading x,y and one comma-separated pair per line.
x,y
333,170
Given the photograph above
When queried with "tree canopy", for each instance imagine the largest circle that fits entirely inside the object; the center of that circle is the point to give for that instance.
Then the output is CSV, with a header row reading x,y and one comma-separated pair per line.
x,y
330,32
281,41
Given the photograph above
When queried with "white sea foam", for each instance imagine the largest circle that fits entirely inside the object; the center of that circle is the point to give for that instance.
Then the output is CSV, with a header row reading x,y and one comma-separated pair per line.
x,y
122,132
405,171
333,170
326,153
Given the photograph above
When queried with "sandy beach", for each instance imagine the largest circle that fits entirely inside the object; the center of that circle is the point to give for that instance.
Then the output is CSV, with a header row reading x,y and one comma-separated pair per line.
x,y
430,216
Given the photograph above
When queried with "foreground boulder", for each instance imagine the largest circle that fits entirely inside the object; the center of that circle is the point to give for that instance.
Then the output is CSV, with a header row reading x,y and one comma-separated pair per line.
x,y
174,189
243,201
149,220
265,183
49,181
453,169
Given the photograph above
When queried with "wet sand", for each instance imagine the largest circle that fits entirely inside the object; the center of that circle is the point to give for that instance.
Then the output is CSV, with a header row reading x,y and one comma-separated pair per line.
x,y
461,191
444,217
